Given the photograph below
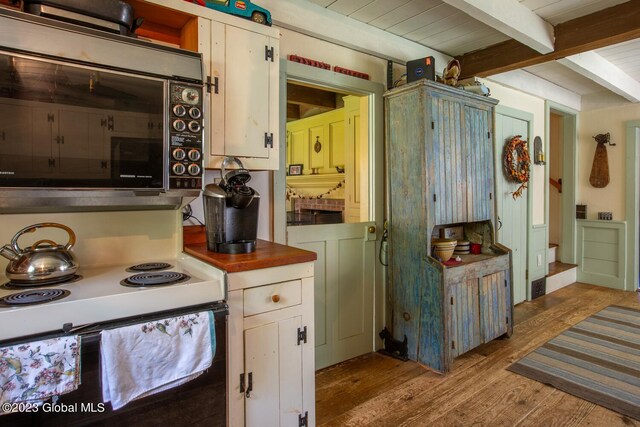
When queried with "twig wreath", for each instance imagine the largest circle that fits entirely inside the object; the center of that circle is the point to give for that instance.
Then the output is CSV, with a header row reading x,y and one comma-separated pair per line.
x,y
516,163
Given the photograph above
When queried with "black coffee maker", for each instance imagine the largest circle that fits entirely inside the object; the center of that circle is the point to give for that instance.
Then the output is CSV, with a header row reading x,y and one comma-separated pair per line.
x,y
231,211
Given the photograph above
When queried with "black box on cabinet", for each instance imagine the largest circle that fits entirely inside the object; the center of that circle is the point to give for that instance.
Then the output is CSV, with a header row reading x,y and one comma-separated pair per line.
x,y
581,211
423,68
538,288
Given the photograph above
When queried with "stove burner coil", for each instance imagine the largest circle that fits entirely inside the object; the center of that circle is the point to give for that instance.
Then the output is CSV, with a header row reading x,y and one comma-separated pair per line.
x,y
35,296
150,266
14,284
155,279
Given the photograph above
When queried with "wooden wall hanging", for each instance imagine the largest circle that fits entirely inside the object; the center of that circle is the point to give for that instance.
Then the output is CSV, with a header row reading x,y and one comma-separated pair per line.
x,y
599,177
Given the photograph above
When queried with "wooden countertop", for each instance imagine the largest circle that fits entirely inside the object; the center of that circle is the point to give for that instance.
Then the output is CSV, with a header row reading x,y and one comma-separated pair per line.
x,y
267,254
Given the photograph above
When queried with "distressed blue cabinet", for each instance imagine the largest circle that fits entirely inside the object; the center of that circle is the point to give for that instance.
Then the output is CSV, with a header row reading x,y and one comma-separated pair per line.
x,y
441,171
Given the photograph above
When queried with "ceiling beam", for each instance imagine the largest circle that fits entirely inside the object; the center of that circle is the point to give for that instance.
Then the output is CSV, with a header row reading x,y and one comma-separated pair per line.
x,y
299,95
616,24
511,18
603,72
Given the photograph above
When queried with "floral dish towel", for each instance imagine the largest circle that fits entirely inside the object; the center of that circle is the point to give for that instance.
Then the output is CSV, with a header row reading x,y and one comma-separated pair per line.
x,y
35,371
146,358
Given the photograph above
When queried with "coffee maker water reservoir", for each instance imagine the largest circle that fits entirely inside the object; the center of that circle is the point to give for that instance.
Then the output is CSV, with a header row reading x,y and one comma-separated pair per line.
x,y
231,212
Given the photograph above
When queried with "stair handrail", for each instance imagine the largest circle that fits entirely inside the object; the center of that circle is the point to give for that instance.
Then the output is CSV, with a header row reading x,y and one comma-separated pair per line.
x,y
557,184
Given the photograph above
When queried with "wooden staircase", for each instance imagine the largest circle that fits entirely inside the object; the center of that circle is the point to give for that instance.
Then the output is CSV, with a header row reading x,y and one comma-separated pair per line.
x,y
560,273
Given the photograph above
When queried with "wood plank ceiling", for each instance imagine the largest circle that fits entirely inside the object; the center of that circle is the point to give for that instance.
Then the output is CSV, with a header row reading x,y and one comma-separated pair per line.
x,y
608,27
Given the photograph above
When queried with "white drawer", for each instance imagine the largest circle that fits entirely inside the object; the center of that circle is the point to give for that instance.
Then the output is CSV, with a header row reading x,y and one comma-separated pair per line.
x,y
272,297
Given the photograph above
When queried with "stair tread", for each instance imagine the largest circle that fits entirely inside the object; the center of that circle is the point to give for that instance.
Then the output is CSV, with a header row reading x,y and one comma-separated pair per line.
x,y
559,267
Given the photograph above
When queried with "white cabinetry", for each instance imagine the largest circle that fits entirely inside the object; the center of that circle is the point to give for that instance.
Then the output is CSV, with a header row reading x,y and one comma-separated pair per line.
x,y
241,59
244,112
271,348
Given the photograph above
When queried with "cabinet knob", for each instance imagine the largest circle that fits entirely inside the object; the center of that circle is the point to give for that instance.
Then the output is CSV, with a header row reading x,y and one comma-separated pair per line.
x,y
275,298
406,316
371,229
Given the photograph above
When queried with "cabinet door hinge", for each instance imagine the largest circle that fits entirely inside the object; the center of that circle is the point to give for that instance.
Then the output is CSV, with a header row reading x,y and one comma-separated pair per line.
x,y
505,283
109,122
507,320
490,196
488,135
435,199
268,53
302,335
210,85
103,123
303,421
50,118
242,390
526,275
453,345
451,300
268,140
433,126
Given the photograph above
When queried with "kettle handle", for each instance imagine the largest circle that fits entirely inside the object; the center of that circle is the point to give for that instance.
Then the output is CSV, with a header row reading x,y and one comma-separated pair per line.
x,y
32,228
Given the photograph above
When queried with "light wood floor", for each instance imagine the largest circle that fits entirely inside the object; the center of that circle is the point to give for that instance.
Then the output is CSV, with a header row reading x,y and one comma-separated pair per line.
x,y
381,391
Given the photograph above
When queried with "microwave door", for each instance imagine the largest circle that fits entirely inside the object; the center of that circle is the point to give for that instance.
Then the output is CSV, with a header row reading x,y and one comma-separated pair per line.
x,y
137,162
58,120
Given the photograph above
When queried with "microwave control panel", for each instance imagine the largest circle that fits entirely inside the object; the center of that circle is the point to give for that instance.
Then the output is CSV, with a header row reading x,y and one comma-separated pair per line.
x,y
186,134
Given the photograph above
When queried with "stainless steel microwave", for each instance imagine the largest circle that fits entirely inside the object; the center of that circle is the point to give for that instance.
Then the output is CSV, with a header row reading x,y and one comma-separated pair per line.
x,y
93,121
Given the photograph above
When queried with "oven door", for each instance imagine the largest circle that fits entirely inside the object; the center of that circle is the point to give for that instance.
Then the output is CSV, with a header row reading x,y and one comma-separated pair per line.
x,y
69,126
201,401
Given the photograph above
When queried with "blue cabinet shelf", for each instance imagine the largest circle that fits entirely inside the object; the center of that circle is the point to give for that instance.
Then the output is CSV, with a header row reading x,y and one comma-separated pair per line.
x,y
440,153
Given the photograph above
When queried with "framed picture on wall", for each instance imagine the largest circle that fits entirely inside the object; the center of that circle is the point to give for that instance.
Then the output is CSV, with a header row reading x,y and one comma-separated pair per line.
x,y
295,169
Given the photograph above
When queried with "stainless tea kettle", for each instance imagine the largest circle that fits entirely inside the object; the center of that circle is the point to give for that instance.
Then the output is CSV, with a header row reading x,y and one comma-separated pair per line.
x,y
43,262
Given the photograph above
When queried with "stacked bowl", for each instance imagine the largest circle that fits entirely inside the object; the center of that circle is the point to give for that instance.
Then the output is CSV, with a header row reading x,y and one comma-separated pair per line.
x,y
462,248
443,248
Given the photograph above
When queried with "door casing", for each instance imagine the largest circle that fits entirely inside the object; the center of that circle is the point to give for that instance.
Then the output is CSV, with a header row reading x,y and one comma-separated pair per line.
x,y
352,85
507,112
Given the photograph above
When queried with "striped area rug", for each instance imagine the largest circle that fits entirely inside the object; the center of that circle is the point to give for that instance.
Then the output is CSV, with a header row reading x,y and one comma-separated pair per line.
x,y
597,360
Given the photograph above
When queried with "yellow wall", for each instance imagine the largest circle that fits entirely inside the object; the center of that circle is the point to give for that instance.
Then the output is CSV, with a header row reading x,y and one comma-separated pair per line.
x,y
590,123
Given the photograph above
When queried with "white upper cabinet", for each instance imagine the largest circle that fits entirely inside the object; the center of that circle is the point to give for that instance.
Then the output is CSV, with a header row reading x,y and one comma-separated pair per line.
x,y
241,60
244,96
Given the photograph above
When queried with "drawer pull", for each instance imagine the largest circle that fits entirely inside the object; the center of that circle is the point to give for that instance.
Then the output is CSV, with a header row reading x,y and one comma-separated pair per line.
x,y
275,298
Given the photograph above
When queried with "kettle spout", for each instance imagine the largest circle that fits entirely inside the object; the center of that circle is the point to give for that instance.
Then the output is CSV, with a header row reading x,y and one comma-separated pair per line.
x,y
8,253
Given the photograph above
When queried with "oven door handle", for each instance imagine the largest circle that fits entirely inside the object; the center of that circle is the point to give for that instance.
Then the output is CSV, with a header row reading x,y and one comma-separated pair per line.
x,y
69,328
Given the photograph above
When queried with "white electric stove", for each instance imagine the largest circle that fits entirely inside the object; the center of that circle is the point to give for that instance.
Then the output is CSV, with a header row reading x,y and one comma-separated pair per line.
x,y
99,296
